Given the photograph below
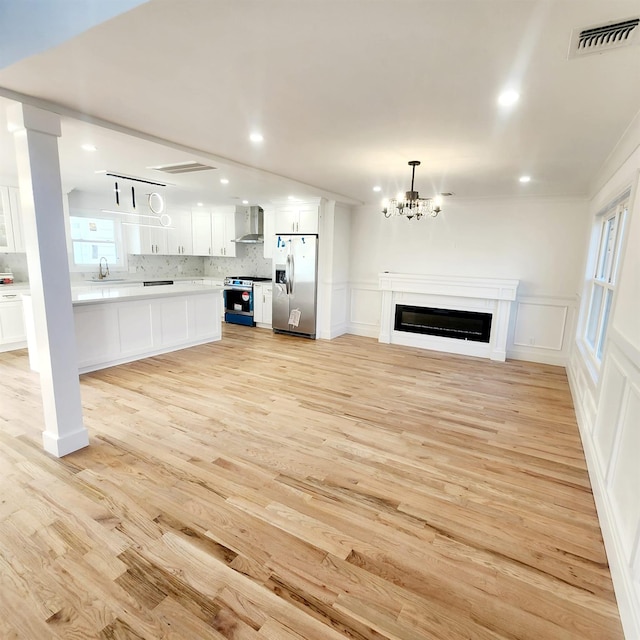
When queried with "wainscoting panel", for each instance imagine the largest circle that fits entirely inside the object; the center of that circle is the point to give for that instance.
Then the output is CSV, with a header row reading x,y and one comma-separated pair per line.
x,y
364,309
624,476
608,422
542,329
610,429
339,306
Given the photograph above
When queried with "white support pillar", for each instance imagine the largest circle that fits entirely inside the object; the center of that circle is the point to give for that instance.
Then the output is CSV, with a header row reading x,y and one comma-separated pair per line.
x,y
36,134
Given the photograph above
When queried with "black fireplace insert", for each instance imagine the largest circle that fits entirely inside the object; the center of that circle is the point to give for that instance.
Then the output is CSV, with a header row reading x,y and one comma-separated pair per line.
x,y
448,323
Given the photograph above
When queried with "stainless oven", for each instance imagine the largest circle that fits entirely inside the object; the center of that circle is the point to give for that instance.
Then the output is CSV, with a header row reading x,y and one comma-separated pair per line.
x,y
238,299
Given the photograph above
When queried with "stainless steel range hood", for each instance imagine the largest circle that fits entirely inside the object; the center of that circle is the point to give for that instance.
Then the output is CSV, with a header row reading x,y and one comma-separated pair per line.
x,y
256,227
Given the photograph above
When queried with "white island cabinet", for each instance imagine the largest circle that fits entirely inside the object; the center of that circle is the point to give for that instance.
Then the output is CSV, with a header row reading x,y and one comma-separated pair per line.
x,y
119,324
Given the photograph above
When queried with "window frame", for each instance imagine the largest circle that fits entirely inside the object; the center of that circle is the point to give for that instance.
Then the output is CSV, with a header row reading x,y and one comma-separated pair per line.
x,y
609,227
119,265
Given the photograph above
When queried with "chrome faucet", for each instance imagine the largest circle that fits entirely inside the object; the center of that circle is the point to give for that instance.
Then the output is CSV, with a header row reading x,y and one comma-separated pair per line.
x,y
103,274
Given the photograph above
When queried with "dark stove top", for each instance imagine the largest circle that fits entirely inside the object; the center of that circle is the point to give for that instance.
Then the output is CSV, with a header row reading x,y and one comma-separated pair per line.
x,y
244,281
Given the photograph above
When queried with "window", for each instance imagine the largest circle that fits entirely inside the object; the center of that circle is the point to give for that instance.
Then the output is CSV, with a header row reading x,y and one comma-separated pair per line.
x,y
93,239
603,277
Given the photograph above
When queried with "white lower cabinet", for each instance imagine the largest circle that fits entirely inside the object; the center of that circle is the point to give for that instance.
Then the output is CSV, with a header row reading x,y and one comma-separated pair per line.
x,y
12,329
262,298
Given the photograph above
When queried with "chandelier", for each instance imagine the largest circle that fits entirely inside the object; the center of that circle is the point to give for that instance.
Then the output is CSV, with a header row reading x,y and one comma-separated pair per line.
x,y
412,205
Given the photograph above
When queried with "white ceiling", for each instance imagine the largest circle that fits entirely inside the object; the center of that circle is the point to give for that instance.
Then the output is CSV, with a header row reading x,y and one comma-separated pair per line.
x,y
346,92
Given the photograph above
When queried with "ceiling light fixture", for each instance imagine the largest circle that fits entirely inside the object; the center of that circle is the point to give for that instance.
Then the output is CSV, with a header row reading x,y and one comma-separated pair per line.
x,y
525,178
245,202
412,205
508,98
224,181
377,188
256,137
89,147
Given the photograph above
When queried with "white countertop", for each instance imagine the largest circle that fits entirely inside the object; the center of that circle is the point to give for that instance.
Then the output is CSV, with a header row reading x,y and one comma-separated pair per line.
x,y
97,295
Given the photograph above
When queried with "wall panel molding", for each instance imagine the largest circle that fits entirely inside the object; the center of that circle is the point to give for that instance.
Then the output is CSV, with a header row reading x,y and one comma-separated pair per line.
x,y
610,430
542,329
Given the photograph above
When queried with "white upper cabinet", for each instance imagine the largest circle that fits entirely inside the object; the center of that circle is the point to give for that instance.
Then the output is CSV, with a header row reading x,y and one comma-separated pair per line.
x,y
201,232
10,223
180,239
301,218
146,240
214,231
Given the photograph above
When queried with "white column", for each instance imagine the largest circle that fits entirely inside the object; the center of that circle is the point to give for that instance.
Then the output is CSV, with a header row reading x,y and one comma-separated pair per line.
x,y
36,134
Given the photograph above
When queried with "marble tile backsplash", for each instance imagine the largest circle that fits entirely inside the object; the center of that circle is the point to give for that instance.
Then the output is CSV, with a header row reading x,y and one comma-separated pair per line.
x,y
15,263
166,266
250,261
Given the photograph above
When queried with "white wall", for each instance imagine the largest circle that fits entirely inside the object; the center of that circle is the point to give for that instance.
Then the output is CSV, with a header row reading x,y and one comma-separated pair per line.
x,y
333,269
607,401
539,241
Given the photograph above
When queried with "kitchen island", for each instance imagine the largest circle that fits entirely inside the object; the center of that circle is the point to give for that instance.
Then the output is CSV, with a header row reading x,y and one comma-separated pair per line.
x,y
118,324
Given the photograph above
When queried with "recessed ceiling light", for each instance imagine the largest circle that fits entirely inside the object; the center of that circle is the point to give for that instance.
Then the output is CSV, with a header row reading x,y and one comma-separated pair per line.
x,y
508,98
89,147
377,188
256,137
199,204
245,202
224,181
525,178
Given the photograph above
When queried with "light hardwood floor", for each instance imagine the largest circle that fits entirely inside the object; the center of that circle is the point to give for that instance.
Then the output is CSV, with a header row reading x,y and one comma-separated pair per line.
x,y
267,487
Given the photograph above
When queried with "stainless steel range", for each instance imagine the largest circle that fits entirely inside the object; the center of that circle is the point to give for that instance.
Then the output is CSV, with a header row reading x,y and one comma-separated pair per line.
x,y
238,299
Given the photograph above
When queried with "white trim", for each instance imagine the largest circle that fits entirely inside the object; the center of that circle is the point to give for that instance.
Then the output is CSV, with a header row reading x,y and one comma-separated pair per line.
x,y
488,295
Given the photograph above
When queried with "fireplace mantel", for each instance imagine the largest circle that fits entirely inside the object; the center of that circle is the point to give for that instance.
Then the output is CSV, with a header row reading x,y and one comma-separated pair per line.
x,y
491,295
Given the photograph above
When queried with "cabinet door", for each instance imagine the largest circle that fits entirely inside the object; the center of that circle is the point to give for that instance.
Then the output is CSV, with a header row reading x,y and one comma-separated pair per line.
x,y
258,299
267,299
11,322
201,233
179,239
307,219
285,220
218,233
153,240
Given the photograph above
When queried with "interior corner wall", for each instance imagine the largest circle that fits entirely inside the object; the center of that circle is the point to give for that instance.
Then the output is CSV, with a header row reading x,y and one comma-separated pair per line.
x,y
607,401
539,241
334,270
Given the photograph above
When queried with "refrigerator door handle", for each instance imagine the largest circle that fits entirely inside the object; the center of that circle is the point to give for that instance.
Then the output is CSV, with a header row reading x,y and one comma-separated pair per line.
x,y
286,275
292,274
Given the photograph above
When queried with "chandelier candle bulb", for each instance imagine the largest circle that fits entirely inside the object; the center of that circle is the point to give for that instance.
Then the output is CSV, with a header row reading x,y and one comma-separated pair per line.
x,y
412,205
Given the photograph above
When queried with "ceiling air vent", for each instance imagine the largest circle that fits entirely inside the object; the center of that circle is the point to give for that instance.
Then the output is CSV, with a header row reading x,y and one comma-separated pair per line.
x,y
183,167
603,37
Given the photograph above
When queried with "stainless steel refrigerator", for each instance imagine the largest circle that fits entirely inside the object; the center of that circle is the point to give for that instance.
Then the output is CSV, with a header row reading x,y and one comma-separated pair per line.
x,y
295,275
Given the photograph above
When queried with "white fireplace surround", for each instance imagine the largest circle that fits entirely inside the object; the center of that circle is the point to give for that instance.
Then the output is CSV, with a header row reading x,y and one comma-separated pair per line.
x,y
485,295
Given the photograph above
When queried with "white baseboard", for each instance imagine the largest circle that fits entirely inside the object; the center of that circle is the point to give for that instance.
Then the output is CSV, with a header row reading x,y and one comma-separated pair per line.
x,y
365,330
543,356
